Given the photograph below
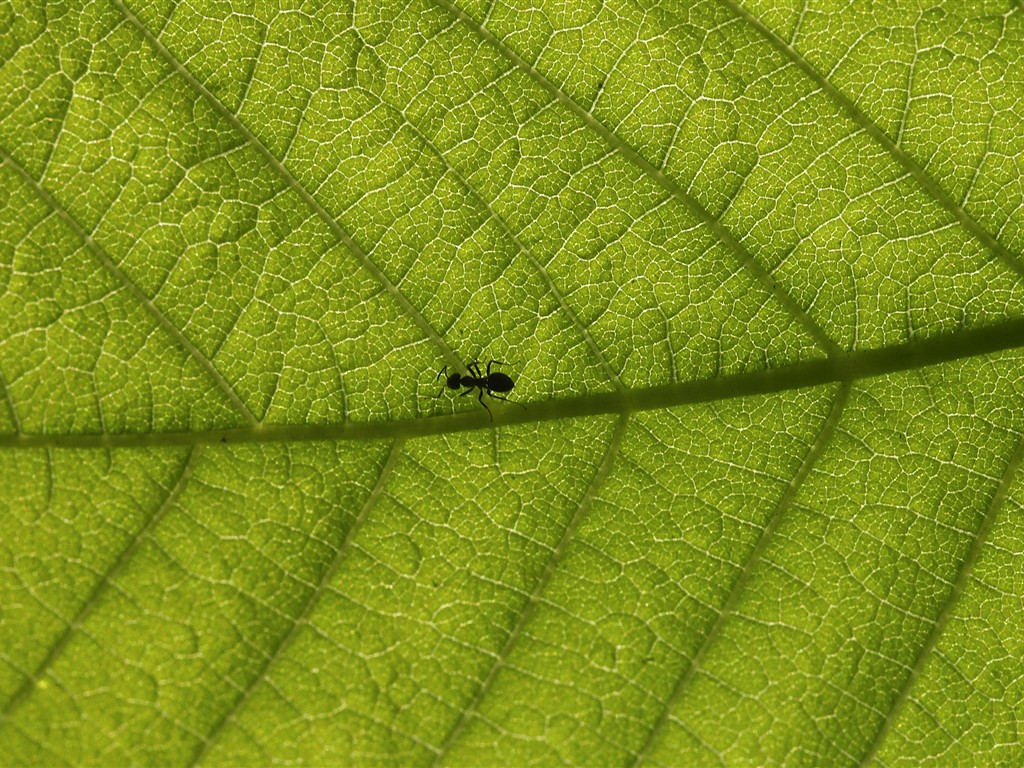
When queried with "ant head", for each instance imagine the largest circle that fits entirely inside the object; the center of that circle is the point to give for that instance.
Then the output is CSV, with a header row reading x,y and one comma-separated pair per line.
x,y
452,381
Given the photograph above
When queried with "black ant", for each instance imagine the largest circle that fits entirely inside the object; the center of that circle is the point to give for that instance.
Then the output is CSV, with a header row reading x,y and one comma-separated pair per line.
x,y
491,383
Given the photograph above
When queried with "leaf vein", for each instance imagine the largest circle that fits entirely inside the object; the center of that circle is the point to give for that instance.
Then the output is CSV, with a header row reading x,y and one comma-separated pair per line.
x,y
736,591
928,648
851,366
299,620
30,684
529,608
6,392
340,233
507,230
846,104
744,257
137,293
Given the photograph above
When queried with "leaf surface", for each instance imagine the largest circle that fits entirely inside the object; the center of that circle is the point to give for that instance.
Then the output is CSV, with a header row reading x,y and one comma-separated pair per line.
x,y
755,269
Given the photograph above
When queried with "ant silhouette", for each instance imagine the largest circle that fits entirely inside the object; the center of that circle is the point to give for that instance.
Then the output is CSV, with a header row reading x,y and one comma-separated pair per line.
x,y
488,382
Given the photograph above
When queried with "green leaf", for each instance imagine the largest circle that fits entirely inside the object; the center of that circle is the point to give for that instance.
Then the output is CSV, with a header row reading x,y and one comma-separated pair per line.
x,y
756,271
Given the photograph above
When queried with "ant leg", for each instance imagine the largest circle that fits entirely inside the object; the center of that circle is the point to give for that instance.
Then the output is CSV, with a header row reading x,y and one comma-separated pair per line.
x,y
481,399
494,362
474,368
499,397
467,392
442,372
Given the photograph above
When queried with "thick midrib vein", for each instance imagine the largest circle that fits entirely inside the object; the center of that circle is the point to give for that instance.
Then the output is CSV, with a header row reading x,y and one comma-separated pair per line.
x,y
666,182
529,608
300,619
279,168
29,685
953,599
851,366
129,285
736,592
847,105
